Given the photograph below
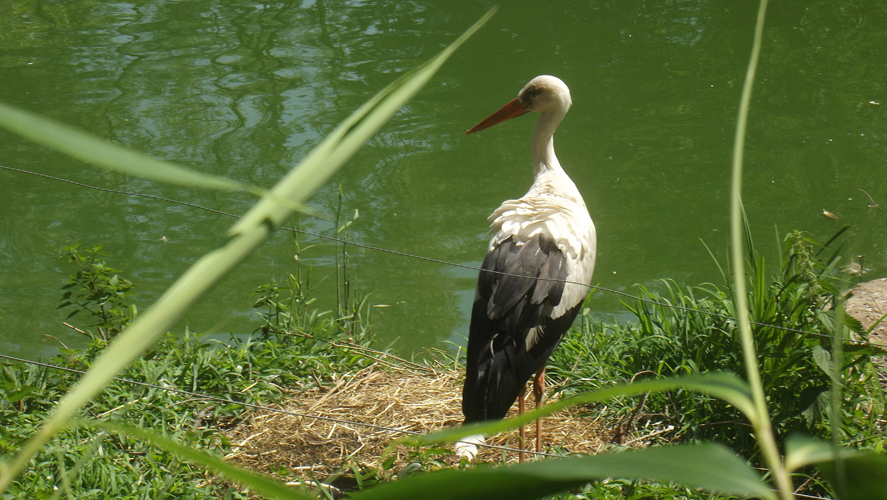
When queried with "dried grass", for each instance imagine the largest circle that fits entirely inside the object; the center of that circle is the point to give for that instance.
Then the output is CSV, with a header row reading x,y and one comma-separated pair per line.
x,y
408,400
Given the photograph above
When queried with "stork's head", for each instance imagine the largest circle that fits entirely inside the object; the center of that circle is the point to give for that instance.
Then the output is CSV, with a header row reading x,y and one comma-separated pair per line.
x,y
546,94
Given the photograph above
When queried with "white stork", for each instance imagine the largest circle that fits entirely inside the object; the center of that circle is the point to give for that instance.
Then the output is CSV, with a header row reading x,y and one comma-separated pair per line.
x,y
535,275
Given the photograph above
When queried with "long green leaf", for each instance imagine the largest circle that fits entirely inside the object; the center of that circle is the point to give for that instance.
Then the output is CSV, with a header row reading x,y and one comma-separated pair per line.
x,y
91,149
211,268
709,466
864,474
801,451
256,482
723,385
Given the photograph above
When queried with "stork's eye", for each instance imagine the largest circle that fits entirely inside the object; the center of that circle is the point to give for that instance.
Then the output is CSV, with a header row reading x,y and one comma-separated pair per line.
x,y
530,94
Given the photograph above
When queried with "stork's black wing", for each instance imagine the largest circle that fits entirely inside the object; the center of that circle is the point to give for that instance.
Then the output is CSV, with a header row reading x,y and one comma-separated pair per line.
x,y
508,309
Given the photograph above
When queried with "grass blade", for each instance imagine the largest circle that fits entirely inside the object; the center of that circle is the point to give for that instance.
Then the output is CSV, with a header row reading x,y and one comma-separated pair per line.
x,y
92,149
256,482
801,451
862,473
708,466
724,385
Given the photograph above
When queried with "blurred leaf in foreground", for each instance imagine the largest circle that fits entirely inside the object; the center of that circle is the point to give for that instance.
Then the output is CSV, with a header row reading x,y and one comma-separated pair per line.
x,y
709,466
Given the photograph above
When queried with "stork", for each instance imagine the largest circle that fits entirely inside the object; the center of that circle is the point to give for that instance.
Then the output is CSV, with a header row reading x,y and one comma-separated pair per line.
x,y
535,275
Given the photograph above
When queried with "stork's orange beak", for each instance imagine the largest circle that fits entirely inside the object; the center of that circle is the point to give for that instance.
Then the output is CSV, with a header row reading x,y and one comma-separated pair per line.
x,y
507,112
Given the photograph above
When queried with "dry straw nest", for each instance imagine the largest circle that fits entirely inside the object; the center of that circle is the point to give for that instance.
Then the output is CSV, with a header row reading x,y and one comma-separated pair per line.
x,y
418,399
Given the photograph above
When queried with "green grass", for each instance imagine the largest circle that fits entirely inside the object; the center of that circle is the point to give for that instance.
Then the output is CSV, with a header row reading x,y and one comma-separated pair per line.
x,y
290,351
255,369
700,336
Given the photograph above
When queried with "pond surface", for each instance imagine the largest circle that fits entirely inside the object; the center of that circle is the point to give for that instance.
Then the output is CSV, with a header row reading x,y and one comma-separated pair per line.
x,y
245,89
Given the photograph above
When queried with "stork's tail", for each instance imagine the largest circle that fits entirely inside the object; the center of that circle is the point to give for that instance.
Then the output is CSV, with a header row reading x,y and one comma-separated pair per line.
x,y
467,447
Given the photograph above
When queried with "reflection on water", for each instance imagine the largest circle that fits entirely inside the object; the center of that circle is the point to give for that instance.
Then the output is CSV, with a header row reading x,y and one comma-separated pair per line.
x,y
246,90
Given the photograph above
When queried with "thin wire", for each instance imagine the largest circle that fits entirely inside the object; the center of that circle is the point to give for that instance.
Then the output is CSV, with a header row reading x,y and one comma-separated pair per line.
x,y
801,495
377,249
354,347
198,395
438,261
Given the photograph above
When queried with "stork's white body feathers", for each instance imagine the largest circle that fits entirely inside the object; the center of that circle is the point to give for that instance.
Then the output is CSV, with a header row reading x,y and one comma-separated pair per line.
x,y
555,210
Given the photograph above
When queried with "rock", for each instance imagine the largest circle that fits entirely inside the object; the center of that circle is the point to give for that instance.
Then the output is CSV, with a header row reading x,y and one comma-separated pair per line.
x,y
868,305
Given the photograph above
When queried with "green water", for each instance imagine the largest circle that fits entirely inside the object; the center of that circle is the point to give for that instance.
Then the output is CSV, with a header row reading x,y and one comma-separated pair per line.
x,y
245,89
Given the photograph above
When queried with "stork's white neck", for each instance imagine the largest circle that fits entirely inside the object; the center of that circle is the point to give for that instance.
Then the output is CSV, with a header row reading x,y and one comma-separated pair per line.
x,y
549,177
544,158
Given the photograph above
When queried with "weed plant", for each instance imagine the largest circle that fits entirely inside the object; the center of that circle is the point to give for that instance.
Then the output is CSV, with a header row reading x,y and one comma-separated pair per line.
x,y
97,291
691,330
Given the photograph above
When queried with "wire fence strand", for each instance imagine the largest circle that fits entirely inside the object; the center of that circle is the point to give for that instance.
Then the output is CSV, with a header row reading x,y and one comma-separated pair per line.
x,y
439,261
393,430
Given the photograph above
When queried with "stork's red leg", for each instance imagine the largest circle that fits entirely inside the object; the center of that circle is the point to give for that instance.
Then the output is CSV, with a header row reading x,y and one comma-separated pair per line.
x,y
522,431
538,388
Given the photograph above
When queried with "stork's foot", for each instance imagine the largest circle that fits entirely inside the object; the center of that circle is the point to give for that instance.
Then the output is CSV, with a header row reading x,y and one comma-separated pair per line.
x,y
467,447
